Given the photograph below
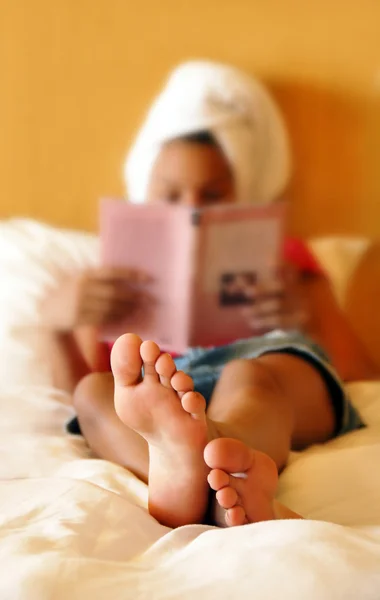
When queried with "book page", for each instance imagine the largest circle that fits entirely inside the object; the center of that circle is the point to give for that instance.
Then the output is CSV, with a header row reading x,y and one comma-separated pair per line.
x,y
157,240
239,260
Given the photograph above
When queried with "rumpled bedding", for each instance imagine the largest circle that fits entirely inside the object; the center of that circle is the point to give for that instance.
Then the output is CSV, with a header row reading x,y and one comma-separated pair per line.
x,y
73,526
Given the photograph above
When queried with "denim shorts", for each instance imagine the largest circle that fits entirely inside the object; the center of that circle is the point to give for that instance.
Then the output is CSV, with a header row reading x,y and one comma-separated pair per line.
x,y
205,365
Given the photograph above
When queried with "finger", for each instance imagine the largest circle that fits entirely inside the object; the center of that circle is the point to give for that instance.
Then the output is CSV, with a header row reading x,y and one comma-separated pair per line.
x,y
263,308
110,291
102,304
115,290
101,318
292,319
287,319
113,293
105,309
101,298
268,306
121,274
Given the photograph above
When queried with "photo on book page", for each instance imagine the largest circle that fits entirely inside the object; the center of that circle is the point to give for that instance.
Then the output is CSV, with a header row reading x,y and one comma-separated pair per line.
x,y
240,256
238,288
203,267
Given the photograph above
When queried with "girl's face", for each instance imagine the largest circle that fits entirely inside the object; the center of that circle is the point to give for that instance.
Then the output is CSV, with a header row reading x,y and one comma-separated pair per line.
x,y
191,174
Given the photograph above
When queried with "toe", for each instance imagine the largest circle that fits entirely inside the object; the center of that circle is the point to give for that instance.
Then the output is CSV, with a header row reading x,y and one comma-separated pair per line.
x,y
165,368
236,516
195,404
229,455
126,361
218,479
182,383
227,497
150,352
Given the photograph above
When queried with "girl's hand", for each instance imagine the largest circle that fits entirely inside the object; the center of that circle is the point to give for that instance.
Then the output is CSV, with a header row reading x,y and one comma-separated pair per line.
x,y
98,297
278,304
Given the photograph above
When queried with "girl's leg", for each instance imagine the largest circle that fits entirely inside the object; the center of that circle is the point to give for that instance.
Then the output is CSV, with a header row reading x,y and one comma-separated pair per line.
x,y
271,404
106,435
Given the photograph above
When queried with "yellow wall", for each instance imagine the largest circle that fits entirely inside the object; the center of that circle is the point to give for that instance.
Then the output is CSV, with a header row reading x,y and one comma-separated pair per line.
x,y
78,75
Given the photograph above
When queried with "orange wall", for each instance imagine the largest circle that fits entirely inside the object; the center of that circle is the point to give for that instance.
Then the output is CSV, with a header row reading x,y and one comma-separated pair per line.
x,y
78,75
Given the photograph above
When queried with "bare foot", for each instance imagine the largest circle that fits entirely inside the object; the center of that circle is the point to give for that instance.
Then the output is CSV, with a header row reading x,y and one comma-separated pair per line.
x,y
245,482
164,410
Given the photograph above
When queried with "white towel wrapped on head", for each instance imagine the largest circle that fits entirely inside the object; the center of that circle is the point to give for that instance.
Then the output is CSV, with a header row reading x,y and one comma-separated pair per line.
x,y
236,110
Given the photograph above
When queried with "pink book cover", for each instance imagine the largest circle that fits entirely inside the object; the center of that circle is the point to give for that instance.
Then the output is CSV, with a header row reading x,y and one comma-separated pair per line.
x,y
204,266
239,260
156,240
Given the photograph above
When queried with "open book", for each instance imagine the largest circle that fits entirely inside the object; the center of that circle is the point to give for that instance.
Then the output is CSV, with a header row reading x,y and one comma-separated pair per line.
x,y
205,265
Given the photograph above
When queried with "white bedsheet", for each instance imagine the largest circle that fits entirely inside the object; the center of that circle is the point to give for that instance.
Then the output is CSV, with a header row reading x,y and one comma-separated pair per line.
x,y
75,527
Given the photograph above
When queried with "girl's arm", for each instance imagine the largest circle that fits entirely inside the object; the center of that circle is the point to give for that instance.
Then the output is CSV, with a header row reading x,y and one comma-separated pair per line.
x,y
329,327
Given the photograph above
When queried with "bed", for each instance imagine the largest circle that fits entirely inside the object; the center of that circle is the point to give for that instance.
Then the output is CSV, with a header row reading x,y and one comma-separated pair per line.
x,y
73,526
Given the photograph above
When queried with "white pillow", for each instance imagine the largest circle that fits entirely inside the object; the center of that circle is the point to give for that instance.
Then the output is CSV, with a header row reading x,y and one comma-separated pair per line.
x,y
33,258
339,257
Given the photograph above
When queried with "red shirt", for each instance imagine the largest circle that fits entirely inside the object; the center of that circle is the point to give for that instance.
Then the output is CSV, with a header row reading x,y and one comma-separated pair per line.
x,y
298,254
